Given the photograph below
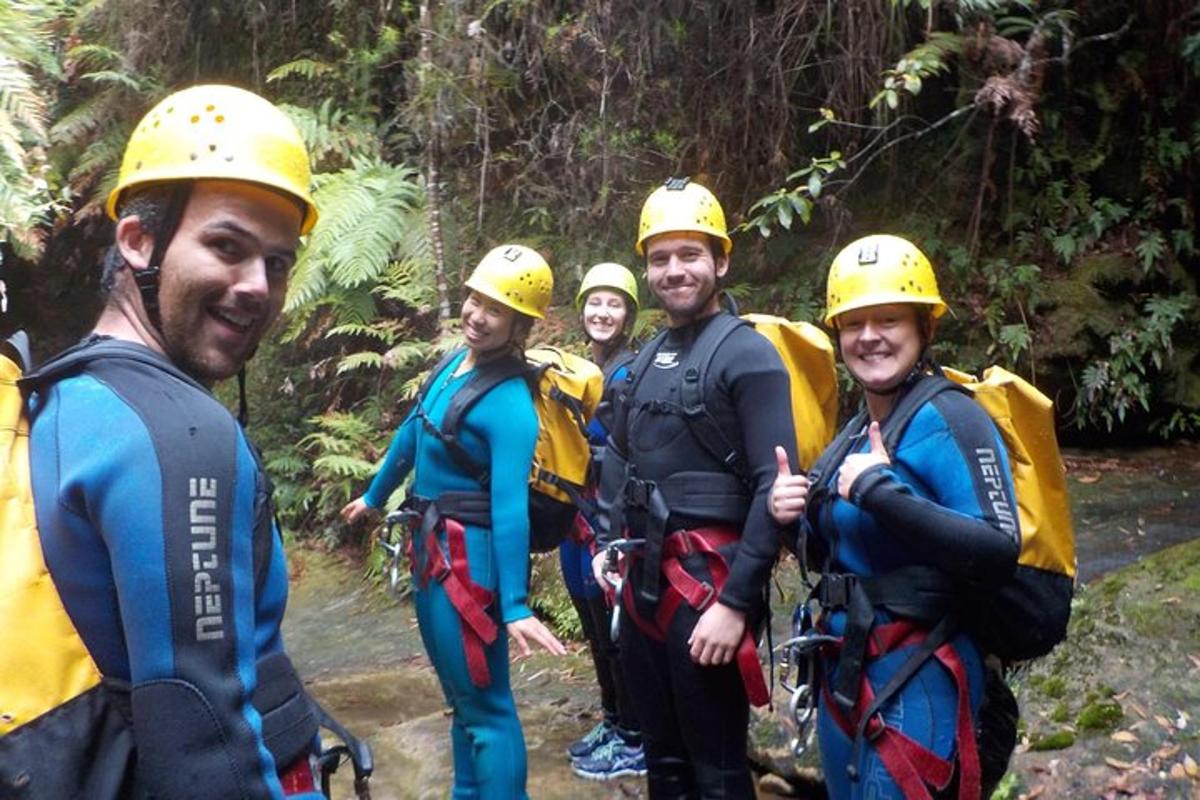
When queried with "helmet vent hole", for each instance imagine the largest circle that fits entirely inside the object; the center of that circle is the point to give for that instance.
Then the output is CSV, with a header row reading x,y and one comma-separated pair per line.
x,y
194,156
229,157
212,148
195,118
220,118
210,107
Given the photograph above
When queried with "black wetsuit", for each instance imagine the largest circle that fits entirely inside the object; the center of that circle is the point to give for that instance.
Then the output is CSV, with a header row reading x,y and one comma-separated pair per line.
x,y
694,718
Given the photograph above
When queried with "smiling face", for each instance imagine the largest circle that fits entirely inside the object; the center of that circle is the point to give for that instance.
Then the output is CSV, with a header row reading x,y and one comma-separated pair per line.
x,y
487,325
880,344
682,272
224,276
604,314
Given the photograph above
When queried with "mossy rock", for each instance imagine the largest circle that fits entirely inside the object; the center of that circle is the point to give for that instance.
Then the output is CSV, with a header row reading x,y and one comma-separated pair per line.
x,y
1058,740
1100,715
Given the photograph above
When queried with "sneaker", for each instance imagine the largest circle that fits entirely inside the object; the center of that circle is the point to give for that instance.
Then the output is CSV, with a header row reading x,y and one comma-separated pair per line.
x,y
603,733
612,760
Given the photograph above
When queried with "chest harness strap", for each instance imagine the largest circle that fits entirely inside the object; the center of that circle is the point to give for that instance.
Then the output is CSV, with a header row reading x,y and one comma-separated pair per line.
x,y
450,514
682,587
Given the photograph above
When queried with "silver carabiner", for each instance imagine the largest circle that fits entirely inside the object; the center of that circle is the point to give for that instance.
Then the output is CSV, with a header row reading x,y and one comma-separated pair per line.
x,y
393,545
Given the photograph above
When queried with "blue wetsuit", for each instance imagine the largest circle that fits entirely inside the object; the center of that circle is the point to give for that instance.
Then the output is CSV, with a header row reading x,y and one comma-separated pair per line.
x,y
587,596
499,430
931,507
157,529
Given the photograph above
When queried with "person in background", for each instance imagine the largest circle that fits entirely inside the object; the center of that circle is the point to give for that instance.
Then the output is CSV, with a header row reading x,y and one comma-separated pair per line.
x,y
607,302
154,512
471,552
693,486
906,540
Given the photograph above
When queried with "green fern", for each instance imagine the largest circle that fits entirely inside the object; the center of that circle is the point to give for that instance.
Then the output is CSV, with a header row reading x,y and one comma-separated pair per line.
x,y
368,212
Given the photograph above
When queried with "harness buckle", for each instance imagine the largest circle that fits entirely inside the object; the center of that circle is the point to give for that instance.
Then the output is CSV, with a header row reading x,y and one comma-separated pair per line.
x,y
874,727
834,590
638,493
710,592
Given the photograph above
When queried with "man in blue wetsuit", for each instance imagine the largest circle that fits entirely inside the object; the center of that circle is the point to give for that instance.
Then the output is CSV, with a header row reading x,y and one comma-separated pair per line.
x,y
687,469
154,511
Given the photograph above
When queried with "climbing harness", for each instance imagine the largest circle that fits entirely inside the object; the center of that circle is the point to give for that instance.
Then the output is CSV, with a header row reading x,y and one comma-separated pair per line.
x,y
682,587
431,561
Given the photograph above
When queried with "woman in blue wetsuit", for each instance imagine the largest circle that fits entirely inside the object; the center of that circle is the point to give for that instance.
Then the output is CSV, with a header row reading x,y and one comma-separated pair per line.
x,y
907,535
471,556
608,305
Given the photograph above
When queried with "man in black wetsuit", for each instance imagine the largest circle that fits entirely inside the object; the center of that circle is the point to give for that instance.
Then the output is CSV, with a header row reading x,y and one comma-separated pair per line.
x,y
688,467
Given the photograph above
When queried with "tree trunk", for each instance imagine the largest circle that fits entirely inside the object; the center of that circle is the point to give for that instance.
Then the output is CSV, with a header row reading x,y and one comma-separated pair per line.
x,y
432,156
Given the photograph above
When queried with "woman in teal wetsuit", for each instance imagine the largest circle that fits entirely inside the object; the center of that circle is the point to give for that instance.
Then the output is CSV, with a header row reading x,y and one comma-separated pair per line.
x,y
931,517
508,289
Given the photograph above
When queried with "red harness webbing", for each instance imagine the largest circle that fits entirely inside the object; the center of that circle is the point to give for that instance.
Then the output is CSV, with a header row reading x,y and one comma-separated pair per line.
x,y
469,599
683,587
910,764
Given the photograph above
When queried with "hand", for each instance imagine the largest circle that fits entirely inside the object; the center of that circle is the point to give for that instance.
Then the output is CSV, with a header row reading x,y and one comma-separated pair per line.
x,y
717,635
600,569
789,492
355,509
531,628
858,463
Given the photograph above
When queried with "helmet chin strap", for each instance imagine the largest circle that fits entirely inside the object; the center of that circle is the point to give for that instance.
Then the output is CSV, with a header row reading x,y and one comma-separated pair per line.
x,y
147,278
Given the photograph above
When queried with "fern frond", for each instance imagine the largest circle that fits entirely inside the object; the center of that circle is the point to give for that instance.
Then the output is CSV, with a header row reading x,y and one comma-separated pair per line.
x,y
363,360
93,56
307,68
343,466
117,77
377,332
80,121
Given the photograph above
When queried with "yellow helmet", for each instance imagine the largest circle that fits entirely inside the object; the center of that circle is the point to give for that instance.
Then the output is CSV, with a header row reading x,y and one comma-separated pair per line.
x,y
220,132
608,276
680,205
880,269
515,276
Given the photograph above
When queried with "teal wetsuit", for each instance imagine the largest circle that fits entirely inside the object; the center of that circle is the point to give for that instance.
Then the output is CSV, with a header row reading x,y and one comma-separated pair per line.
x,y
499,430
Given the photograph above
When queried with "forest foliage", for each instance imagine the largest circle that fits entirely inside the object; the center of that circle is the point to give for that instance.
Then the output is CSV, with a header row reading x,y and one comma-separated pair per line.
x,y
1042,152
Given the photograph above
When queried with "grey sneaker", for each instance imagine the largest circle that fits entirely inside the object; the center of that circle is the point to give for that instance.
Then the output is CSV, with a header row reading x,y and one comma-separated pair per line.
x,y
612,760
603,733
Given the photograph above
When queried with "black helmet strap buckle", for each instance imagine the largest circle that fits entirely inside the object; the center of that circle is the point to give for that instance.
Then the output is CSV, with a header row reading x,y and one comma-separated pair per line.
x,y
147,278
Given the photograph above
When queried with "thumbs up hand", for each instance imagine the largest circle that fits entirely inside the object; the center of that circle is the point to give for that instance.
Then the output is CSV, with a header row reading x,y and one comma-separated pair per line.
x,y
788,493
856,464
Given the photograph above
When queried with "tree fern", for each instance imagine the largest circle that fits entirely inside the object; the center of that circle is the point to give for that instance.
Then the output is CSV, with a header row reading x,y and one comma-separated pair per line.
x,y
367,212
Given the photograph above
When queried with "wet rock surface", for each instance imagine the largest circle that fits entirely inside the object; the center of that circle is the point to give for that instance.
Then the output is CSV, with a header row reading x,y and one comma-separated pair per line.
x,y
1113,712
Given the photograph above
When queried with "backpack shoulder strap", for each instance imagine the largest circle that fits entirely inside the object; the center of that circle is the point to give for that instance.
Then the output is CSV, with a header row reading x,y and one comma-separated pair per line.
x,y
93,348
16,349
921,392
641,363
624,358
487,376
694,387
437,369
